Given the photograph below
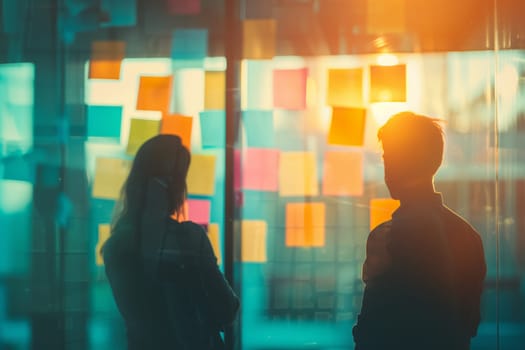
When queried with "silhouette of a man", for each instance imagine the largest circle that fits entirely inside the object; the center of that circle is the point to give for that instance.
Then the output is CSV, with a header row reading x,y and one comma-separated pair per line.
x,y
425,267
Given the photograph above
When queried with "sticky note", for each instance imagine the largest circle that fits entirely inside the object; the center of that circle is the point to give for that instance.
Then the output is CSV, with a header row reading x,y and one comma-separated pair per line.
x,y
388,83
122,13
289,88
343,173
260,169
381,210
184,7
297,174
253,241
199,210
104,231
345,87
104,121
189,44
179,125
257,85
305,224
201,175
385,17
154,93
347,127
258,127
214,237
258,38
214,90
110,175
106,59
141,130
213,129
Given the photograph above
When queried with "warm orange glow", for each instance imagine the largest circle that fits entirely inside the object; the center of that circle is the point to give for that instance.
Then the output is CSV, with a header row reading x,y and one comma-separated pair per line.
x,y
345,87
343,174
387,59
381,210
347,127
305,224
259,38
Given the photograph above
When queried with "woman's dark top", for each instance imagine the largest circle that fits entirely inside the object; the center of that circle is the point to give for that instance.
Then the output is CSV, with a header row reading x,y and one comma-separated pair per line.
x,y
183,303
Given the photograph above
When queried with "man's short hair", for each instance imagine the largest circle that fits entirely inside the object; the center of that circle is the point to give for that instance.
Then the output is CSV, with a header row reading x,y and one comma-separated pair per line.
x,y
416,141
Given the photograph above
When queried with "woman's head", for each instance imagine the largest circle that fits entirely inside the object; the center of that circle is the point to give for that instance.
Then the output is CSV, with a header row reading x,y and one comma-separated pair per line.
x,y
162,156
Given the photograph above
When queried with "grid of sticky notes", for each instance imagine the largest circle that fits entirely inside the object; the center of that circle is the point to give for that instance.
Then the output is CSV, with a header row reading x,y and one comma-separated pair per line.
x,y
110,175
253,241
305,224
381,210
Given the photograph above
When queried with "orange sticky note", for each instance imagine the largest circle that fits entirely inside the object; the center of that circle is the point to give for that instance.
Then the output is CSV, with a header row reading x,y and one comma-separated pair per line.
x,y
106,59
154,93
258,38
305,224
201,175
140,130
385,16
214,90
253,241
179,125
213,236
381,210
343,173
104,232
347,127
110,175
345,87
297,174
388,83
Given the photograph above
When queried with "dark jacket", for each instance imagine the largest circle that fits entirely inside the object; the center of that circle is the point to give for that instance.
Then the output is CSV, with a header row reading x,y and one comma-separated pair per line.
x,y
423,275
182,302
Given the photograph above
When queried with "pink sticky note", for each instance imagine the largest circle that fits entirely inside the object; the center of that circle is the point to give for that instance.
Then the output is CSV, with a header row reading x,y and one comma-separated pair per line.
x,y
199,210
289,88
184,7
260,169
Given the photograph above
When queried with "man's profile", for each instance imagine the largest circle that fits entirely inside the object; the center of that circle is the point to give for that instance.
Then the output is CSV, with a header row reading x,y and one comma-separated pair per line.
x,y
425,267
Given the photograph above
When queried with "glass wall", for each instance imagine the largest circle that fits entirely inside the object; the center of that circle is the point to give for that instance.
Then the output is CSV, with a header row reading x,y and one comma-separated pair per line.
x,y
279,102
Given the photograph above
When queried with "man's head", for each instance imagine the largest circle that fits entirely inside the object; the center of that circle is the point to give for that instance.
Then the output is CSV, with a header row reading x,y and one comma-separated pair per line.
x,y
412,151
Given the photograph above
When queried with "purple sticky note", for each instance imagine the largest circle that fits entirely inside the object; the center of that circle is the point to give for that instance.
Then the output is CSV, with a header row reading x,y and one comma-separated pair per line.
x,y
260,169
199,210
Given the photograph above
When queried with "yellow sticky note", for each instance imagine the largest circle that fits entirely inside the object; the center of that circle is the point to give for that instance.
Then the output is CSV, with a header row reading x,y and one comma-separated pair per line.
x,y
345,87
385,17
388,83
347,127
253,241
141,130
106,59
305,224
214,90
258,38
381,210
178,125
104,232
213,235
343,173
110,175
201,175
297,174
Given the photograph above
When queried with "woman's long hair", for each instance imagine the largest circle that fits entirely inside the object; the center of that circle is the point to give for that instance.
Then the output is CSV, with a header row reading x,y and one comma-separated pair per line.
x,y
164,157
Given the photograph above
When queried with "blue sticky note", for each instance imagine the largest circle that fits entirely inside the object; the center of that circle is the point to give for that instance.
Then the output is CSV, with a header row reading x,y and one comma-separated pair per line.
x,y
104,121
122,13
213,129
189,47
258,126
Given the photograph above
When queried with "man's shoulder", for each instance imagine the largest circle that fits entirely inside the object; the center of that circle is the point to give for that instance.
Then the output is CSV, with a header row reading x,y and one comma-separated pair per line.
x,y
460,225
